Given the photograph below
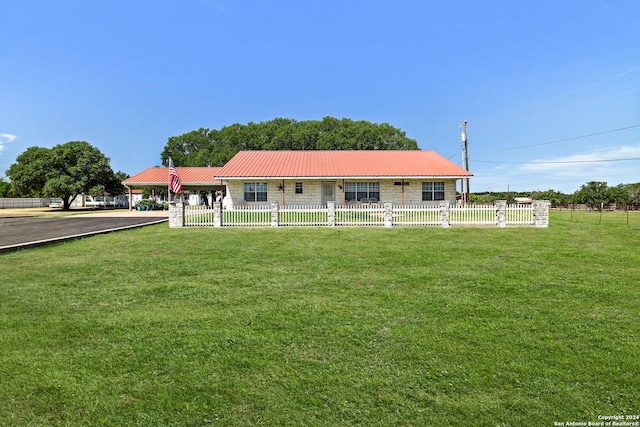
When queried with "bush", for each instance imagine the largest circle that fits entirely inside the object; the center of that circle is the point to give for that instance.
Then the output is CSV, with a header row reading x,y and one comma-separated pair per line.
x,y
148,205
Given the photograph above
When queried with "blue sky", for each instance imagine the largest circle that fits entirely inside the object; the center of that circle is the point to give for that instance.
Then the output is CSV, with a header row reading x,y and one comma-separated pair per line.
x,y
549,88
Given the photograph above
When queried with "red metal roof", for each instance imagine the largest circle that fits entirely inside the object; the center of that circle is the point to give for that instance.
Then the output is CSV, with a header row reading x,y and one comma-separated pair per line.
x,y
340,164
188,176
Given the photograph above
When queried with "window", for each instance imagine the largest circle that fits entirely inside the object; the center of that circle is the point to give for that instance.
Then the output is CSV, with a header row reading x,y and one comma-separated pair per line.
x,y
255,191
298,188
432,191
361,190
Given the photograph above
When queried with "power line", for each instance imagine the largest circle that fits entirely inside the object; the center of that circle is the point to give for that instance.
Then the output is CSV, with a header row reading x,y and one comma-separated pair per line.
x,y
563,140
453,155
561,162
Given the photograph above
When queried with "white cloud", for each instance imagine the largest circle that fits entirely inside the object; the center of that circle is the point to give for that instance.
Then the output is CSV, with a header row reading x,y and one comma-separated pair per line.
x,y
5,138
563,173
613,165
603,157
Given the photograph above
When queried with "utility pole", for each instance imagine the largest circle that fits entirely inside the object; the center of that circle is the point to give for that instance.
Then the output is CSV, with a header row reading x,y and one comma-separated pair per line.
x,y
463,136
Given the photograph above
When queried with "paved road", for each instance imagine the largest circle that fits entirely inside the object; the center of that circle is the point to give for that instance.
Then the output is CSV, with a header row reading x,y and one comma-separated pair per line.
x,y
23,232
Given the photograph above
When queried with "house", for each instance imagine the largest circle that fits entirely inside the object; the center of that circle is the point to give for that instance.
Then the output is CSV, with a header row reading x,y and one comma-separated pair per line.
x,y
316,177
522,201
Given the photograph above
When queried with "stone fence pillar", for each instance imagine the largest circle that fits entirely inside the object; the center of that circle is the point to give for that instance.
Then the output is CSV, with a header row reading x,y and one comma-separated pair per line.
x,y
388,214
176,215
501,213
331,214
541,213
444,214
217,214
274,214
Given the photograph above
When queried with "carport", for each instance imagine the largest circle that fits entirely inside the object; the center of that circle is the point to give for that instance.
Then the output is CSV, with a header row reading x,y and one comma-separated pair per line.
x,y
195,180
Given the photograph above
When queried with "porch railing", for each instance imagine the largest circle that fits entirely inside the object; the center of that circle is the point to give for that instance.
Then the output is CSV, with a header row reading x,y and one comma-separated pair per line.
x,y
382,215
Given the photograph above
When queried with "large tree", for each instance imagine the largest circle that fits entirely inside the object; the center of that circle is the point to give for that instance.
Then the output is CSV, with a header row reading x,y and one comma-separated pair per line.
x,y
65,171
205,147
634,193
5,188
596,194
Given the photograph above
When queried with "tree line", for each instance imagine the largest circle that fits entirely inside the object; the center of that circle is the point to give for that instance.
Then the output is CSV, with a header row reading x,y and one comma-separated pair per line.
x,y
215,147
594,194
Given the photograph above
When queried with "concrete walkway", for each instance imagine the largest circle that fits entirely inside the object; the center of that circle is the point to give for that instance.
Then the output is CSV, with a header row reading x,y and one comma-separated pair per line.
x,y
20,232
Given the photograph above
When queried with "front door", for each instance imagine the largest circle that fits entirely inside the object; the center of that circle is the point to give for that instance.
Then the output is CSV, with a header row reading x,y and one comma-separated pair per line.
x,y
327,192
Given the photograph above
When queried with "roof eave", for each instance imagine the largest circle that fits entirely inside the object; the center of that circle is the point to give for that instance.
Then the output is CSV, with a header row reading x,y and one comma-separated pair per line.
x,y
347,177
205,183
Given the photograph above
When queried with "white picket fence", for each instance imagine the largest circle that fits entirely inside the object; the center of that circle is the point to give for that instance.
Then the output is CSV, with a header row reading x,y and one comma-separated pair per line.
x,y
360,215
473,215
374,215
198,216
302,215
521,214
416,215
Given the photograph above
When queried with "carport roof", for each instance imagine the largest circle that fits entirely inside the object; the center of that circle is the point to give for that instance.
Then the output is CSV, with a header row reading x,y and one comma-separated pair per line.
x,y
159,177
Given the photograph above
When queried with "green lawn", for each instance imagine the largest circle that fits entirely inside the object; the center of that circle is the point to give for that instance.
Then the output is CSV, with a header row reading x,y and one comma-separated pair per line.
x,y
323,326
630,219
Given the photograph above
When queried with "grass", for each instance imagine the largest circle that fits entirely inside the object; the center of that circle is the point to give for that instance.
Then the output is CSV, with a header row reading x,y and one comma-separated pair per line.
x,y
323,326
630,219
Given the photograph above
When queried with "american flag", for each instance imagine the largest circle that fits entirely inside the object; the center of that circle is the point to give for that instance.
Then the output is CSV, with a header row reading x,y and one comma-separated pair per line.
x,y
174,180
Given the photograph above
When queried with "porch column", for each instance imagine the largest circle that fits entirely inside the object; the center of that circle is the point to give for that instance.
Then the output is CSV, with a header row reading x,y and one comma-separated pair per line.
x,y
501,213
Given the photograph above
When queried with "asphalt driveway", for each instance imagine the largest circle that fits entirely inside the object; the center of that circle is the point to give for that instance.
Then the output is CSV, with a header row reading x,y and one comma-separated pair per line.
x,y
23,232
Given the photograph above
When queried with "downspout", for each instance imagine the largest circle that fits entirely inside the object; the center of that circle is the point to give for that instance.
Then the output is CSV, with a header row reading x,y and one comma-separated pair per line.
x,y
402,190
282,189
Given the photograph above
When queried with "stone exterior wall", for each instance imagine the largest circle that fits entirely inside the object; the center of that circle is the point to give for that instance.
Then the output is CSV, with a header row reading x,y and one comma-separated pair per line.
x,y
311,196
